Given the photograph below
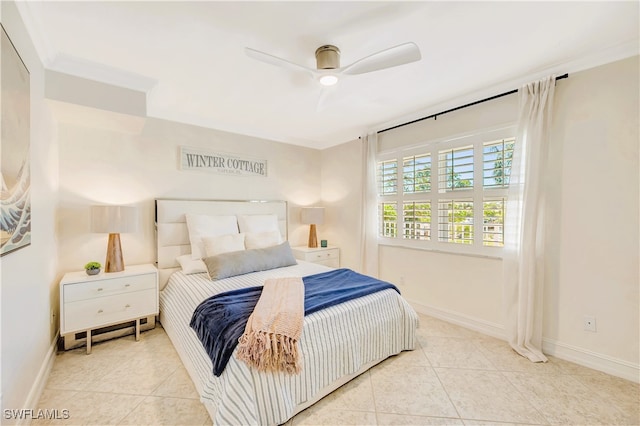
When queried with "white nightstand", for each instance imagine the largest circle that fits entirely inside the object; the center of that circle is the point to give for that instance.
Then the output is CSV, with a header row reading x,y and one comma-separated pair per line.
x,y
93,301
328,256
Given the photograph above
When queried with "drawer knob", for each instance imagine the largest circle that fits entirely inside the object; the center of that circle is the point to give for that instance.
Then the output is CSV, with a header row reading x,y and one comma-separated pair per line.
x,y
100,311
100,289
127,285
127,306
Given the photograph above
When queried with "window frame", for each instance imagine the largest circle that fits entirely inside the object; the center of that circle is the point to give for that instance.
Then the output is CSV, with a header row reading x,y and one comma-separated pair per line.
x,y
478,194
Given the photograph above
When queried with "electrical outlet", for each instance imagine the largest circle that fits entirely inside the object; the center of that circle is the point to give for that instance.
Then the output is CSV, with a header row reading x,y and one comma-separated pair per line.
x,y
589,323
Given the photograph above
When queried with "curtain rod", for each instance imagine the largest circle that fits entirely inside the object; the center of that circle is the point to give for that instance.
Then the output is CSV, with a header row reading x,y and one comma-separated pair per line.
x,y
435,116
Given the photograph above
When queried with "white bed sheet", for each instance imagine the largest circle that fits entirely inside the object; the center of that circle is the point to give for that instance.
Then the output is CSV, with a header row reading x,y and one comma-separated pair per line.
x,y
335,343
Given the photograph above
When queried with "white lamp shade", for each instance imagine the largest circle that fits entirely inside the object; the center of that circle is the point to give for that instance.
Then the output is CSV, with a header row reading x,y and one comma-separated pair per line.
x,y
312,215
113,219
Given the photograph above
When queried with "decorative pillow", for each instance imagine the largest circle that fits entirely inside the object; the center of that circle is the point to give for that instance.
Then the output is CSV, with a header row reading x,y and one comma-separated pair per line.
x,y
201,226
243,262
214,246
254,240
254,223
191,266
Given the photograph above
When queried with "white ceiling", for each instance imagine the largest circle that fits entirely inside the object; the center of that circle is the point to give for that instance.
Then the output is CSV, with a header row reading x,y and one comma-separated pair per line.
x,y
189,56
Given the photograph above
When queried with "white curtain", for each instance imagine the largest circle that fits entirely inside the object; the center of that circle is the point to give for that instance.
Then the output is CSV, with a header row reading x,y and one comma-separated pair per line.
x,y
524,223
369,206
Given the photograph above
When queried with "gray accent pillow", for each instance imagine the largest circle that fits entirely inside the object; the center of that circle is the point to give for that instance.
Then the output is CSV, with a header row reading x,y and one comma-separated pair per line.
x,y
234,263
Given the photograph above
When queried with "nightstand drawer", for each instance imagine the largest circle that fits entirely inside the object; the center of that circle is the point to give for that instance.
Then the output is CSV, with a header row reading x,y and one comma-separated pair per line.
x,y
318,256
328,256
101,311
108,287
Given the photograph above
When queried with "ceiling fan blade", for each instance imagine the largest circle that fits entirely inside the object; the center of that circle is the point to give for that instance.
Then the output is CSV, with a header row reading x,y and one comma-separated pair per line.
x,y
388,58
274,60
325,93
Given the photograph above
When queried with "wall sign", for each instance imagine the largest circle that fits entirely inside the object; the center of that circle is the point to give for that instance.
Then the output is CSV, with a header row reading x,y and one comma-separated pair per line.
x,y
221,163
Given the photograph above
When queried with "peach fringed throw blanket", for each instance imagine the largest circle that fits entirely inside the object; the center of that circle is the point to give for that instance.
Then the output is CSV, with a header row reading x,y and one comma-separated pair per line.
x,y
270,339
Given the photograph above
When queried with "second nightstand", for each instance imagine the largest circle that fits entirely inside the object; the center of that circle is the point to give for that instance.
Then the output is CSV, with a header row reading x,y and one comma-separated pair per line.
x,y
91,302
328,256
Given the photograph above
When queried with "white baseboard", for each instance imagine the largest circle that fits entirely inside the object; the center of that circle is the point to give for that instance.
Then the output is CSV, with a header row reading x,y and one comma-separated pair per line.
x,y
606,364
41,379
481,326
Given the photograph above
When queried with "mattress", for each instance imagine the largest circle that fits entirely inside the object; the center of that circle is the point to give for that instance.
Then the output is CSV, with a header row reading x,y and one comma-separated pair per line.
x,y
336,342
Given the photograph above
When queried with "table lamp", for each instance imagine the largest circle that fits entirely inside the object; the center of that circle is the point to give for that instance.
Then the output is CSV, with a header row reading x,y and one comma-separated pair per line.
x,y
312,216
113,220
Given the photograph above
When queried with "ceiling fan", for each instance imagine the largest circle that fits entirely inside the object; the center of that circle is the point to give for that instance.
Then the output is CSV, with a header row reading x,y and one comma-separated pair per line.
x,y
328,70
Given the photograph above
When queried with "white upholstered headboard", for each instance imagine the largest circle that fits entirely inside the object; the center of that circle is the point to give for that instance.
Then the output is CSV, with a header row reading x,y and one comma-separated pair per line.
x,y
172,236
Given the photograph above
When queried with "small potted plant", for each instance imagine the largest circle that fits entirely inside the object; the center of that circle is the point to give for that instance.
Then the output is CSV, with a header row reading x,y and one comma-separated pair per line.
x,y
93,268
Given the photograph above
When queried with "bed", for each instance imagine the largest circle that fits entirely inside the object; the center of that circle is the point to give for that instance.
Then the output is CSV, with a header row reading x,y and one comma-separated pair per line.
x,y
337,343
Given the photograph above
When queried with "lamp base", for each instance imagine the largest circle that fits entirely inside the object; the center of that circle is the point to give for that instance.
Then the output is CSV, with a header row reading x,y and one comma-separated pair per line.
x,y
114,262
313,237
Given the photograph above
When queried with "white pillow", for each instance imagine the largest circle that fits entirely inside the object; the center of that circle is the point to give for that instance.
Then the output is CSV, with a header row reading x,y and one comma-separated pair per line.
x,y
191,266
255,240
255,223
201,226
214,246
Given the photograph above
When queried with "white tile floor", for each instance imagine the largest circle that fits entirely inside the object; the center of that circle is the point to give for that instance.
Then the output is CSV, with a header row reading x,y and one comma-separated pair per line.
x,y
454,377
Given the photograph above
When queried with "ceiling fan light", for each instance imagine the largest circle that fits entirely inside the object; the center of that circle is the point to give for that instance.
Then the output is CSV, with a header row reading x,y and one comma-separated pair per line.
x,y
328,79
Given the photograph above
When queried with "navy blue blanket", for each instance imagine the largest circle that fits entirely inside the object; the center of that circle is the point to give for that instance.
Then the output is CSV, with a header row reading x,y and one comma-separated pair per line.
x,y
220,320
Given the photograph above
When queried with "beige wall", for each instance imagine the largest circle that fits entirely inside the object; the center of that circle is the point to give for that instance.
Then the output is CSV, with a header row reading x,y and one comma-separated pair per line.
x,y
128,165
592,266
444,284
28,285
341,196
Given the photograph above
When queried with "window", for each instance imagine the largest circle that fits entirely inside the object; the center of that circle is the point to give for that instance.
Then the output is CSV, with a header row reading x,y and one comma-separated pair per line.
x,y
455,221
387,177
455,169
416,173
471,175
496,161
493,222
389,213
416,218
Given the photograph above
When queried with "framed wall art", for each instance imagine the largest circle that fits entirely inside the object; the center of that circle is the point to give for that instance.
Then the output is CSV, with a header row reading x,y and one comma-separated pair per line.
x,y
15,173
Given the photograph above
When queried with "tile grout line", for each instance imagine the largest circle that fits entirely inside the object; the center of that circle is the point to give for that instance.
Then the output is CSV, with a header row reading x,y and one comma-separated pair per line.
x,y
540,413
446,391
373,395
502,374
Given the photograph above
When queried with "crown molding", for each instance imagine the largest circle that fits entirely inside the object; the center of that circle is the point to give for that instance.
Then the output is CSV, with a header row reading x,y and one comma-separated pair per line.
x,y
46,52
102,73
54,60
